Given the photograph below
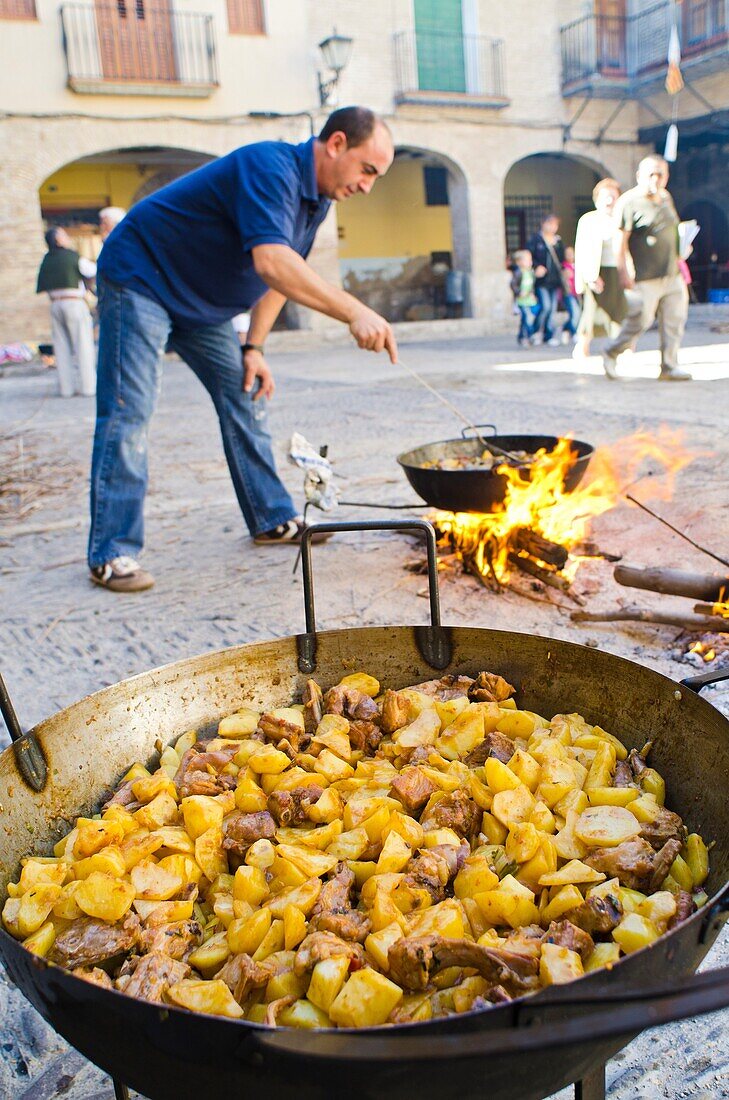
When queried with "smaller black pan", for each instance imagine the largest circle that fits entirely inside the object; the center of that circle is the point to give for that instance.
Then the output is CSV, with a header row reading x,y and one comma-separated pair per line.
x,y
478,490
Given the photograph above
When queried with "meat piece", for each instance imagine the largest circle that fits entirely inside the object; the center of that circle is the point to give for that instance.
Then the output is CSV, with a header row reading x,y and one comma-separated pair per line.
x,y
313,701
351,703
623,775
490,688
454,811
598,916
665,826
88,941
448,687
199,772
241,975
124,796
240,830
325,945
526,941
493,744
415,959
175,940
94,975
566,934
333,911
434,868
636,761
395,711
278,730
148,977
685,906
419,754
497,995
413,788
336,893
350,925
635,864
292,807
365,736
277,1006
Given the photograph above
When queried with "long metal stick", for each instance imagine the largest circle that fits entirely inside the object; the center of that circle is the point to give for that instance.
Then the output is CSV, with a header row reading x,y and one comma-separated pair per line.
x,y
491,447
675,530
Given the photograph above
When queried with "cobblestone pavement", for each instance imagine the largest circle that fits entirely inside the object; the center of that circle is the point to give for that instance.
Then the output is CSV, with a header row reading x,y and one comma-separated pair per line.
x,y
64,638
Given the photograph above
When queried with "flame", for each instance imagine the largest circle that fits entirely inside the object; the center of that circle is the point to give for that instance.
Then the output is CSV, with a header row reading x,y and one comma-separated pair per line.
x,y
485,541
707,652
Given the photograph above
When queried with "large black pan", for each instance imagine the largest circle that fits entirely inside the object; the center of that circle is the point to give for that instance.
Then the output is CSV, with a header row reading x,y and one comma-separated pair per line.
x,y
76,755
478,490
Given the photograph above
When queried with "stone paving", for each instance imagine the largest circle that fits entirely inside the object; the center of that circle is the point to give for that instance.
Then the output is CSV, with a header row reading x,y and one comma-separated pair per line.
x,y
64,638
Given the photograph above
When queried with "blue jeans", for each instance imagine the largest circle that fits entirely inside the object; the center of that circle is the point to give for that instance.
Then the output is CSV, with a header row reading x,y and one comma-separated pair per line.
x,y
527,322
572,305
133,333
547,304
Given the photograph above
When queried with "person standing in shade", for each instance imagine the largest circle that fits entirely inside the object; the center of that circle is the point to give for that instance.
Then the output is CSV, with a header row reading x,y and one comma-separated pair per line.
x,y
596,275
548,256
230,237
648,238
61,276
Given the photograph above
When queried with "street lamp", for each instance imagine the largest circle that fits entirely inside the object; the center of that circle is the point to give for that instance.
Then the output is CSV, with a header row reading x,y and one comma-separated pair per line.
x,y
336,51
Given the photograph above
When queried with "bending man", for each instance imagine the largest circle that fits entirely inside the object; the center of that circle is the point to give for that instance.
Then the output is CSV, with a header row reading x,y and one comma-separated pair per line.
x,y
230,237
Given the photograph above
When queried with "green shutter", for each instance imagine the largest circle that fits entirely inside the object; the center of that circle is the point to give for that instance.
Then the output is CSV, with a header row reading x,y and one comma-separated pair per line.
x,y
439,46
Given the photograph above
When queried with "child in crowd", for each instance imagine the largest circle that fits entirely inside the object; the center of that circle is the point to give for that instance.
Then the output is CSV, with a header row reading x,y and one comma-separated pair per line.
x,y
522,285
569,296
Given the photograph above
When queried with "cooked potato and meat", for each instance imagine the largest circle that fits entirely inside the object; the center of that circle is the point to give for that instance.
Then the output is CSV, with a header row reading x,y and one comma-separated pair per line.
x,y
484,461
366,858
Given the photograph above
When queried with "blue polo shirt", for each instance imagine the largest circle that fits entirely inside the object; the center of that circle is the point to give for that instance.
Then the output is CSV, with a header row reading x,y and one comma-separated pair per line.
x,y
188,246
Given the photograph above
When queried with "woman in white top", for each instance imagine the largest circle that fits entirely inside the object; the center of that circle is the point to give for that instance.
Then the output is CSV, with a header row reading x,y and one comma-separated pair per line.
x,y
596,274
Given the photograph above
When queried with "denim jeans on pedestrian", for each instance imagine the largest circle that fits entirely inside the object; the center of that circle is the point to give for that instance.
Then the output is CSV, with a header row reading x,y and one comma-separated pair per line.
x,y
572,305
547,304
133,333
527,322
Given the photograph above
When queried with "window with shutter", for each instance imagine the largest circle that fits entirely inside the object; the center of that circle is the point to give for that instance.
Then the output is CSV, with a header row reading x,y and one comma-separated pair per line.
x,y
246,17
17,9
439,45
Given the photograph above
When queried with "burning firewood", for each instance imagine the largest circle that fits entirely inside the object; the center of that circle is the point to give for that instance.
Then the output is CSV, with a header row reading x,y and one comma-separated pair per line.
x,y
688,621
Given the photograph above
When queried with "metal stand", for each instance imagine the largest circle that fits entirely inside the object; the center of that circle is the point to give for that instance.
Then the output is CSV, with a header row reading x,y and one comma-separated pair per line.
x,y
592,1086
121,1092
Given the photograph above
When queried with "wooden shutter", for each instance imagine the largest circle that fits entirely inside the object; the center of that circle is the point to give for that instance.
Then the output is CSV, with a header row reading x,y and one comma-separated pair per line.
x,y
439,46
246,17
17,9
135,41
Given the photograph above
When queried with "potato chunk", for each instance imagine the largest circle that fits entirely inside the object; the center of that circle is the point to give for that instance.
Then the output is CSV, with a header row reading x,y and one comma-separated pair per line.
x,y
606,826
366,1000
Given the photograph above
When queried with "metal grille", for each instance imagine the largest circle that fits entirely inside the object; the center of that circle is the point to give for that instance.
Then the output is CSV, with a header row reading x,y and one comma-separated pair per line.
x,y
469,64
523,217
131,41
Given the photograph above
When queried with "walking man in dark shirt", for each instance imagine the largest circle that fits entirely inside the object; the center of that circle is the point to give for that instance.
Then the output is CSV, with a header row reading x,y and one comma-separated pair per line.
x,y
648,230
230,237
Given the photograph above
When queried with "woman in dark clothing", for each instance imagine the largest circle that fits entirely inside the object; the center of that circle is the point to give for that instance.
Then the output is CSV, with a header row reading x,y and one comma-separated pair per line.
x,y
548,256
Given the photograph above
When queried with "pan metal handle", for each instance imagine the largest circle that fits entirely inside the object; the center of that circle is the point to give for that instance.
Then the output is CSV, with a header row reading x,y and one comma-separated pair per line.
x,y
433,641
624,1013
696,683
465,432
29,755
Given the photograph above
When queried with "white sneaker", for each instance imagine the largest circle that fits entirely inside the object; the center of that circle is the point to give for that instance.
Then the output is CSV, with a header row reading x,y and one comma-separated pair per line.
x,y
565,337
537,339
122,574
553,343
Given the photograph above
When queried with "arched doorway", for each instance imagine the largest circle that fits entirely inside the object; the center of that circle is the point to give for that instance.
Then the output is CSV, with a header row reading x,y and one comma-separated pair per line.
x,y
546,183
398,245
73,195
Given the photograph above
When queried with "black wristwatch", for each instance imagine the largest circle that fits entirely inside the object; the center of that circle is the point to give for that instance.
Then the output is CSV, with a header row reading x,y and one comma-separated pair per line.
x,y
252,347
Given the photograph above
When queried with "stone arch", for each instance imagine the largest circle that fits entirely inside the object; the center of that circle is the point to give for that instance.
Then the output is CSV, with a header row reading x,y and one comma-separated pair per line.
x,y
542,182
397,245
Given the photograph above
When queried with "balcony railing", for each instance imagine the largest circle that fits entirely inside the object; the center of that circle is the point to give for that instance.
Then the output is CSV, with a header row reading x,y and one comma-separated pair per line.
x,y
448,68
624,52
131,48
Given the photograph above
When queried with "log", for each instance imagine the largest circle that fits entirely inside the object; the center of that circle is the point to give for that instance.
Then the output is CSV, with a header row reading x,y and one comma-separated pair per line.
x,y
694,623
552,553
708,609
673,582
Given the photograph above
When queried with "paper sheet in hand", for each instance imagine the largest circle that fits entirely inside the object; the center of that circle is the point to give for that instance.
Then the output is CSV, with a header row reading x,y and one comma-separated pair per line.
x,y
687,234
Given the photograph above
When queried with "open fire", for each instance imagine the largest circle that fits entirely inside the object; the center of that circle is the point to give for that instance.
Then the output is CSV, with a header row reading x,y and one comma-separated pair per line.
x,y
544,531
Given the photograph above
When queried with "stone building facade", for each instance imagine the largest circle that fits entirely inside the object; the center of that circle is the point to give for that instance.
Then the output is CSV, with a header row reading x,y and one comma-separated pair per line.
x,y
470,90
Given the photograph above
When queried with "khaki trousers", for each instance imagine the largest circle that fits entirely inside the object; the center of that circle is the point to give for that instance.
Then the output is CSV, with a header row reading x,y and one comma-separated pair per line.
x,y
665,299
73,346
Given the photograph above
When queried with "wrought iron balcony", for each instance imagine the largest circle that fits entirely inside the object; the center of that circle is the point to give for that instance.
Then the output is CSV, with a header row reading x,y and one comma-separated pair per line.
x,y
436,68
132,48
610,55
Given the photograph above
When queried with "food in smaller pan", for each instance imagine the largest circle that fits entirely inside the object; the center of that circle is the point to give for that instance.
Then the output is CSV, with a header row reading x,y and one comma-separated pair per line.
x,y
366,857
484,461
